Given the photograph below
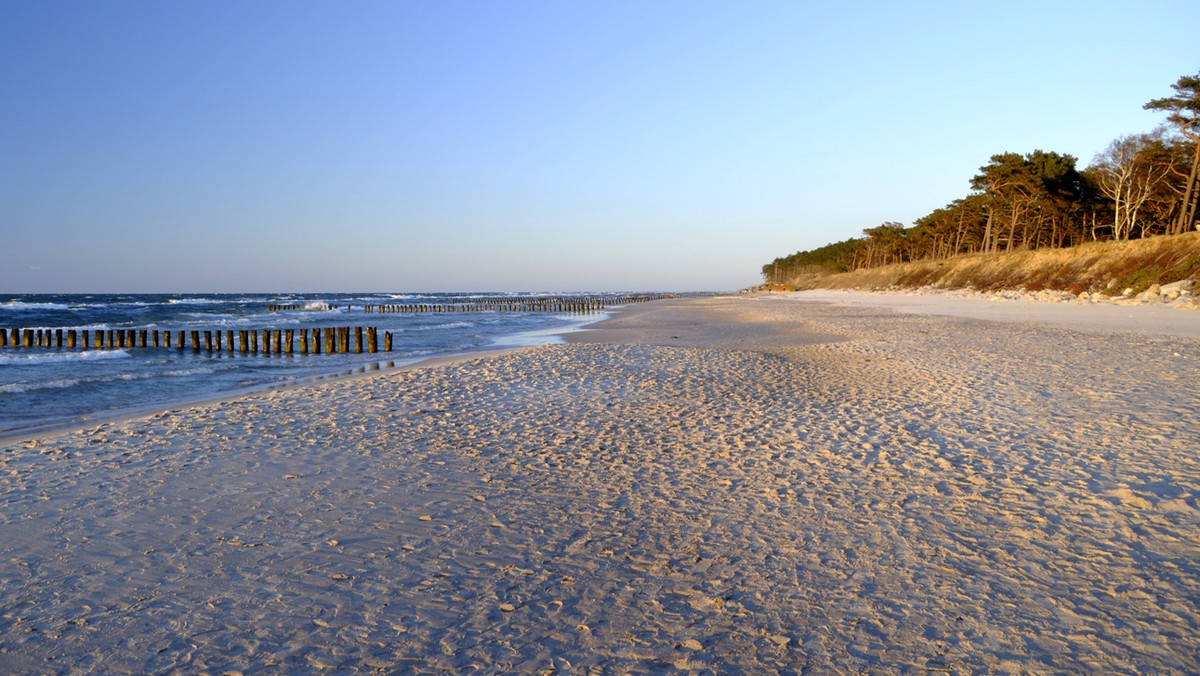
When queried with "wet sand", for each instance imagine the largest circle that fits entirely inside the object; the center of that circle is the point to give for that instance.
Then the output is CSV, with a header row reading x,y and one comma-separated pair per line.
x,y
716,485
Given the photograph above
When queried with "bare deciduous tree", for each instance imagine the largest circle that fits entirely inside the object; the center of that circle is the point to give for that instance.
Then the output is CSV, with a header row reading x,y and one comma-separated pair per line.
x,y
1126,174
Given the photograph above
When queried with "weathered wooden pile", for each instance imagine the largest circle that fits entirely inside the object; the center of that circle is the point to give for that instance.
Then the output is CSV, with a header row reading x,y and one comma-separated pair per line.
x,y
577,305
330,339
312,307
539,305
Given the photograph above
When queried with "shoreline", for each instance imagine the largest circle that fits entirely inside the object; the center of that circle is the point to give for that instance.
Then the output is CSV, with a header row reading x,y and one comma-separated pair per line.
x,y
516,341
717,484
1093,317
137,412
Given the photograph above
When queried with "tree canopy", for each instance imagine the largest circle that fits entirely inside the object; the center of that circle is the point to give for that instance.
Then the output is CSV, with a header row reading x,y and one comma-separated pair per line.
x,y
1184,109
1141,185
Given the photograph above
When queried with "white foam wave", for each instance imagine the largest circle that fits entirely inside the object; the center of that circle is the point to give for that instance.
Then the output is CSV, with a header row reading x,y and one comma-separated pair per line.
x,y
208,317
184,373
62,383
20,388
22,359
22,305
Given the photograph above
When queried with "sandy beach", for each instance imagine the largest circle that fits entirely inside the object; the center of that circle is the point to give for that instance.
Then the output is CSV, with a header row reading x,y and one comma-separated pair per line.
x,y
814,482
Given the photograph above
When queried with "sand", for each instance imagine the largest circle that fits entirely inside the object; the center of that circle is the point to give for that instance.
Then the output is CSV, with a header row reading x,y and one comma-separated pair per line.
x,y
725,485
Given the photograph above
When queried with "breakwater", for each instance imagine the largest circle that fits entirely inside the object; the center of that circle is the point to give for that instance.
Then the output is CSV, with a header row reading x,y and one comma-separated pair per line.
x,y
569,304
330,340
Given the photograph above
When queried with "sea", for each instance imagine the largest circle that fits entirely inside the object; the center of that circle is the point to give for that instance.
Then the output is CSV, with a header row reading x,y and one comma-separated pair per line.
x,y
48,388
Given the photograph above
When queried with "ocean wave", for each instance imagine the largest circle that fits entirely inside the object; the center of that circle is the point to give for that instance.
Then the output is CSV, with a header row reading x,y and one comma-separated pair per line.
x,y
57,384
218,320
63,383
184,373
20,359
203,321
451,325
151,375
193,301
18,305
323,306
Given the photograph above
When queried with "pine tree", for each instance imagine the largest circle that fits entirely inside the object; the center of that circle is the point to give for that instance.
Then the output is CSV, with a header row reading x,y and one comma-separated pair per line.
x,y
1185,112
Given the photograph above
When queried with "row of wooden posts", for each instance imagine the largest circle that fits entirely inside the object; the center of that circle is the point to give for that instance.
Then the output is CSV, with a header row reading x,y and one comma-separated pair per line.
x,y
548,304
575,306
331,339
279,307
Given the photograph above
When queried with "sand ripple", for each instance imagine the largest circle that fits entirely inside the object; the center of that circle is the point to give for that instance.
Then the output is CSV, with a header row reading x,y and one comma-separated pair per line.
x,y
924,494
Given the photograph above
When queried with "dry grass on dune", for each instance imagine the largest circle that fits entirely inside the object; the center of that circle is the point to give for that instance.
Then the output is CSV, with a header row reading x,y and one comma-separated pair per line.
x,y
1106,267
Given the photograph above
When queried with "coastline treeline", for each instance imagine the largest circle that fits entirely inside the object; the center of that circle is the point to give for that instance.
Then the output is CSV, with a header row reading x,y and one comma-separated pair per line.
x,y
1141,185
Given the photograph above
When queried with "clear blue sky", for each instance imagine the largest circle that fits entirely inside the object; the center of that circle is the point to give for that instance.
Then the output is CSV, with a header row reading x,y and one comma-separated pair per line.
x,y
459,145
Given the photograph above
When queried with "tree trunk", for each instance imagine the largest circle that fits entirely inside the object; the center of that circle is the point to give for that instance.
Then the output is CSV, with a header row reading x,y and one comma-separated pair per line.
x,y
961,233
987,233
1012,228
1187,205
1188,216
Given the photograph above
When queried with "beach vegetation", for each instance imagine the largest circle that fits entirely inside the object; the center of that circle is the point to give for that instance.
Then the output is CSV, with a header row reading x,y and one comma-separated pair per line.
x,y
1111,267
1141,187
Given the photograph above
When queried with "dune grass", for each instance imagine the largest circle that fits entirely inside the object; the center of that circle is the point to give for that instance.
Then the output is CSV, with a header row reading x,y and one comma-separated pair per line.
x,y
1098,267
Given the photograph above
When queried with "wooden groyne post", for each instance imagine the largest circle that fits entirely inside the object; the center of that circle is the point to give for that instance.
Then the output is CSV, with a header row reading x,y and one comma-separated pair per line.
x,y
344,339
572,304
